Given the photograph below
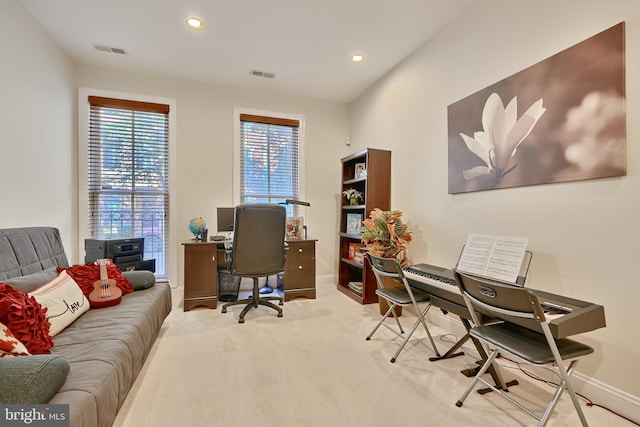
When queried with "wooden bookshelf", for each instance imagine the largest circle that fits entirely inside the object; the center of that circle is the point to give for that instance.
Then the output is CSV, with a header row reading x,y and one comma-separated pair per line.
x,y
376,190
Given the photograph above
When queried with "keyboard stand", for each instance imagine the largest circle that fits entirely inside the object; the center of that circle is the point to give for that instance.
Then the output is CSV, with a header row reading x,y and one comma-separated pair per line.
x,y
452,351
450,301
463,313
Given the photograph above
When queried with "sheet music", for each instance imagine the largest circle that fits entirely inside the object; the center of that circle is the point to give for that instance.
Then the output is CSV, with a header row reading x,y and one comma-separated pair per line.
x,y
497,257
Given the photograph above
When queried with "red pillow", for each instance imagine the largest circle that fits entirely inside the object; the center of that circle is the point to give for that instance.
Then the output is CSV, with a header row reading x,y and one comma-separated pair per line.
x,y
86,275
26,319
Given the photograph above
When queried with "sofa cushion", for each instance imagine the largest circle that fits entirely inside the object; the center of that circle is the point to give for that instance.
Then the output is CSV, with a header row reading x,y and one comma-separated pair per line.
x,y
31,379
28,250
26,318
28,283
86,275
64,301
10,346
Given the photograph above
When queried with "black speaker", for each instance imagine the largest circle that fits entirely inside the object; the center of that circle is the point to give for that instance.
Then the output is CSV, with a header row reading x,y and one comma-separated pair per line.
x,y
126,253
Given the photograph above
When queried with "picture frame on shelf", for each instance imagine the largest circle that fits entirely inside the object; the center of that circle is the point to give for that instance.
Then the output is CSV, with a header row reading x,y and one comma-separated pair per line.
x,y
294,228
354,221
360,170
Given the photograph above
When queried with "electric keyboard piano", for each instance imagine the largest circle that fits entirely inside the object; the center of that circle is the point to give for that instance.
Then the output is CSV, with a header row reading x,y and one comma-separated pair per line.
x,y
568,317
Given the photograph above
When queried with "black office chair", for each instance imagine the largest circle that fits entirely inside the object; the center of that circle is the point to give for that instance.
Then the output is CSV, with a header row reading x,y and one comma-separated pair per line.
x,y
399,296
258,250
524,333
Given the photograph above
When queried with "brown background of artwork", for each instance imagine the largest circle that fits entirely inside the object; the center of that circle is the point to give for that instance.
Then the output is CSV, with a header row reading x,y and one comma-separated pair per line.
x,y
562,81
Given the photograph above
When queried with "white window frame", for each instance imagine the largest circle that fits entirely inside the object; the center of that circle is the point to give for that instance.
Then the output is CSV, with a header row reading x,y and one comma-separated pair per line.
x,y
237,111
83,174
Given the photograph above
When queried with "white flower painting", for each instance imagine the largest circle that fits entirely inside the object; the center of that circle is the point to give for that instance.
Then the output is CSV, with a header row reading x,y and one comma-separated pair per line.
x,y
502,135
564,121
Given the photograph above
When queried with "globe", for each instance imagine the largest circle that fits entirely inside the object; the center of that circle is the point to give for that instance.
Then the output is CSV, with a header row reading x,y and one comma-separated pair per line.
x,y
197,225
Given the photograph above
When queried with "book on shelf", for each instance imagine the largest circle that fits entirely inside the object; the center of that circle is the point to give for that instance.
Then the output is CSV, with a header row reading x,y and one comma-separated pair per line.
x,y
359,256
354,248
356,286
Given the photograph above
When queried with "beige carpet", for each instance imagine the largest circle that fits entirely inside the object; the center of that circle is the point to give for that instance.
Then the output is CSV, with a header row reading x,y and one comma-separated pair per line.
x,y
313,367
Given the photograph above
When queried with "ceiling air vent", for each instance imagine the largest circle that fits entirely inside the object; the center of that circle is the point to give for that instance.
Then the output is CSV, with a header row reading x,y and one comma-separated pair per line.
x,y
110,49
264,74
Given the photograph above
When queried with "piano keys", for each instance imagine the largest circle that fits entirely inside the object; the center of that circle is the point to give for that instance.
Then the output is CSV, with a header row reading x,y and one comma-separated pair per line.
x,y
441,284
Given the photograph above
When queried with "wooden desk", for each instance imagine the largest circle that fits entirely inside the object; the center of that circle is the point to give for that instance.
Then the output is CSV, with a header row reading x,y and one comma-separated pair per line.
x,y
201,263
202,260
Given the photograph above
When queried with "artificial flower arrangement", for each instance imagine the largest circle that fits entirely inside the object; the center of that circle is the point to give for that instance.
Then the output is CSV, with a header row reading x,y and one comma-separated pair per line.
x,y
385,235
352,195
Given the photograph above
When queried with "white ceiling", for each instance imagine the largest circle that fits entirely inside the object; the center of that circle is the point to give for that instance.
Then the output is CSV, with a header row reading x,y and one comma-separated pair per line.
x,y
306,43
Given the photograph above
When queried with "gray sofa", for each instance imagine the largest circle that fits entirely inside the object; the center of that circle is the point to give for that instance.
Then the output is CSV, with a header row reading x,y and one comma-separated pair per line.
x,y
101,353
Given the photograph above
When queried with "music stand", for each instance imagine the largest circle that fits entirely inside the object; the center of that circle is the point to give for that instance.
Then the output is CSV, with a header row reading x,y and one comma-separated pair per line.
x,y
522,274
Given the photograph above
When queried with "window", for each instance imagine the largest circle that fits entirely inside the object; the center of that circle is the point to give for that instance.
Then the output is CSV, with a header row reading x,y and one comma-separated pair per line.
x,y
128,174
269,160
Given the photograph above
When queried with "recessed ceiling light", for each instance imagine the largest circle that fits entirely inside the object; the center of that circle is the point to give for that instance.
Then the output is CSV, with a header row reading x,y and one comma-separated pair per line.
x,y
194,23
358,57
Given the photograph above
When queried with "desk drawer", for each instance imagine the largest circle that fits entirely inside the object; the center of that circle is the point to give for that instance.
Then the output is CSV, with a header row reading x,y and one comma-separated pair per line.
x,y
302,274
301,250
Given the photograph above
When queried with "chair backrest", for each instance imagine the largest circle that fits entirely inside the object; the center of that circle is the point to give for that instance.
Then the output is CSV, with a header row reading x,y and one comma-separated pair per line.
x,y
499,300
388,267
258,240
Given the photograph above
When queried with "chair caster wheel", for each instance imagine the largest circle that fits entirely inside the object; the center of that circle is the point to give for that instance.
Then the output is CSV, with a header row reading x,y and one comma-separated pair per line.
x,y
224,310
367,338
279,314
281,302
459,404
241,321
393,360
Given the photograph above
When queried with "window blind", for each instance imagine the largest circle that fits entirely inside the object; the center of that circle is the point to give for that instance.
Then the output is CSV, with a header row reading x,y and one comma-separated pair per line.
x,y
269,161
128,173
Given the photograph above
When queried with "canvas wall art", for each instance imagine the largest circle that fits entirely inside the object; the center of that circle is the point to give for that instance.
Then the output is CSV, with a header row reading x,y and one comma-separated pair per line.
x,y
562,119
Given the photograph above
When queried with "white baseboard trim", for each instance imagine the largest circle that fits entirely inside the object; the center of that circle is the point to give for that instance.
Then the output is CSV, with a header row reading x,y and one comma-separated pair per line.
x,y
611,398
596,391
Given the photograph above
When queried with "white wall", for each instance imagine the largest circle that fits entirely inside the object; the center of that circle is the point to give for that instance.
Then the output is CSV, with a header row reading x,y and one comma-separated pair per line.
x,y
583,235
37,128
205,146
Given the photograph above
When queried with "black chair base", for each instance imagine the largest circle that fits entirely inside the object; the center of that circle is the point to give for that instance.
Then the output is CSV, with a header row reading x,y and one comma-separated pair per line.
x,y
254,302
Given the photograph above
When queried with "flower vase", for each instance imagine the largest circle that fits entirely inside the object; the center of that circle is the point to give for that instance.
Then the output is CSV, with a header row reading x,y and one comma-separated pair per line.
x,y
353,201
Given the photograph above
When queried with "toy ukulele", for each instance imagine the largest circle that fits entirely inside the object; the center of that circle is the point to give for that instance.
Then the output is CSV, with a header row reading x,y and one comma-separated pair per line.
x,y
105,292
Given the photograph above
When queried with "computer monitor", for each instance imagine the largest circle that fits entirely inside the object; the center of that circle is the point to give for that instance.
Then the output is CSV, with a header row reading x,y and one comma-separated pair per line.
x,y
225,219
